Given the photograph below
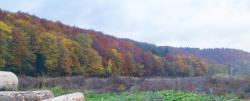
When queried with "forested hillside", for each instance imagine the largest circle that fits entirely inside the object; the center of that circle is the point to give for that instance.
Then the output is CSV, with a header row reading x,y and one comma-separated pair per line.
x,y
34,46
234,61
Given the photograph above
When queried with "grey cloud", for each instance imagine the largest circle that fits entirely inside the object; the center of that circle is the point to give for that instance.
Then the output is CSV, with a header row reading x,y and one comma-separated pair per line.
x,y
194,23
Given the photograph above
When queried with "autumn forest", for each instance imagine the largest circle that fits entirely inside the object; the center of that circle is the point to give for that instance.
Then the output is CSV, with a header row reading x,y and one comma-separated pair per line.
x,y
34,46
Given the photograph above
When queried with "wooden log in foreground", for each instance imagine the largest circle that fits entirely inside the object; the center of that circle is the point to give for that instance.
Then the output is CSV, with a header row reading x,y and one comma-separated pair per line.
x,y
25,95
68,97
8,81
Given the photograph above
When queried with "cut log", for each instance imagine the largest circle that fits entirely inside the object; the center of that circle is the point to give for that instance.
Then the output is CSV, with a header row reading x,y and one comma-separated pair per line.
x,y
25,95
68,97
8,81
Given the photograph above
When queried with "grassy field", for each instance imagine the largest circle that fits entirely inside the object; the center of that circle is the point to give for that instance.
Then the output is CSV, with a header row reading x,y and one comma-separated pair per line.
x,y
167,95
155,96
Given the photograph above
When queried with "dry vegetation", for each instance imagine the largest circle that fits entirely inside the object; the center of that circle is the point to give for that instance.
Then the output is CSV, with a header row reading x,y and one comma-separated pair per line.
x,y
200,85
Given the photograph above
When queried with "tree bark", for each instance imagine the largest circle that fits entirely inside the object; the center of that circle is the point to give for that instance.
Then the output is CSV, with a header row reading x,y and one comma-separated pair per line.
x,y
68,97
8,81
25,95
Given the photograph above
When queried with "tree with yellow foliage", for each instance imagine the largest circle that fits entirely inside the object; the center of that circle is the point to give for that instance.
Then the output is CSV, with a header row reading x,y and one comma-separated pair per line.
x,y
117,62
5,43
47,49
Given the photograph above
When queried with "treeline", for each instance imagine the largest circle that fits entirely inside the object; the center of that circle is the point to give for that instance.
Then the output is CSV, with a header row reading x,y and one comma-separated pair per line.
x,y
34,46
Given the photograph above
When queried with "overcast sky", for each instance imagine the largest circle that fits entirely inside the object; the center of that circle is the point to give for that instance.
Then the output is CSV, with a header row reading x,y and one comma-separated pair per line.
x,y
179,23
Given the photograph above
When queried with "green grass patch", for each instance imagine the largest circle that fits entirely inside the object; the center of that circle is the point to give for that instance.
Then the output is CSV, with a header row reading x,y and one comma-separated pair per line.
x,y
168,95
155,96
57,91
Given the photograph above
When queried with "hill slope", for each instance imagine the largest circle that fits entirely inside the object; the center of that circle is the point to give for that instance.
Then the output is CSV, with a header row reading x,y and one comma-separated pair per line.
x,y
35,46
231,60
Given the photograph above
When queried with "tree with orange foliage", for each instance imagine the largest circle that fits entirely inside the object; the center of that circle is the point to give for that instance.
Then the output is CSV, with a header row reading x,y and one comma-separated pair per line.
x,y
22,55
